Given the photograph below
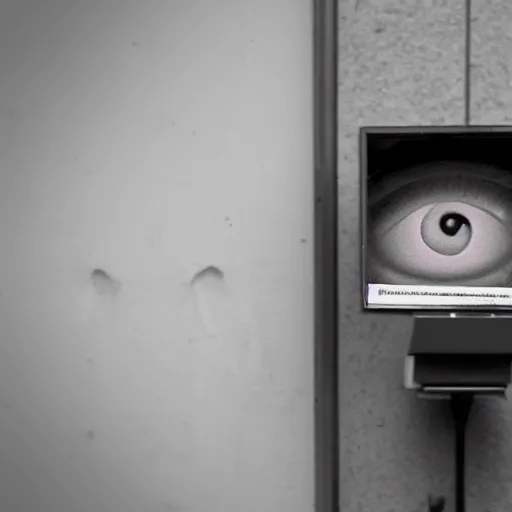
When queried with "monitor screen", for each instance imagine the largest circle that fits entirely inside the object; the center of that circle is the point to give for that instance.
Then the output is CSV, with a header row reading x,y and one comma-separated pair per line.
x,y
437,218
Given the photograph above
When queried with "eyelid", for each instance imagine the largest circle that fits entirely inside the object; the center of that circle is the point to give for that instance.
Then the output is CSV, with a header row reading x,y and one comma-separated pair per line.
x,y
476,192
439,172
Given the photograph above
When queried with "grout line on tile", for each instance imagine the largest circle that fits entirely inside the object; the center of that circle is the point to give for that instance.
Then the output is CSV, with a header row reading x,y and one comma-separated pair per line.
x,y
467,70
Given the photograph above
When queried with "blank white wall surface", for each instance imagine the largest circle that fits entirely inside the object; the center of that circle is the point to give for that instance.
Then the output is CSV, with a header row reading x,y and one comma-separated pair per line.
x,y
167,144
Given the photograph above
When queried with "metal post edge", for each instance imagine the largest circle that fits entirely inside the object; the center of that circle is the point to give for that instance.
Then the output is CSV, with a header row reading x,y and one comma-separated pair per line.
x,y
325,20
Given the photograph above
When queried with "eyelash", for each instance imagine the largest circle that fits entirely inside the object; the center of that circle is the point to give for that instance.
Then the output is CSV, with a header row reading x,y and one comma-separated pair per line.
x,y
463,172
467,190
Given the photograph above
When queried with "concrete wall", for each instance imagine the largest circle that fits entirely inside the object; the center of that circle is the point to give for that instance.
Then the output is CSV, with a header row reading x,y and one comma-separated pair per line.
x,y
156,294
402,63
167,145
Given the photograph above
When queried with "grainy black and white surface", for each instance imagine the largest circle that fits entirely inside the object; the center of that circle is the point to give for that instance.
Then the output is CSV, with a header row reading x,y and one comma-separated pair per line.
x,y
400,63
156,256
489,432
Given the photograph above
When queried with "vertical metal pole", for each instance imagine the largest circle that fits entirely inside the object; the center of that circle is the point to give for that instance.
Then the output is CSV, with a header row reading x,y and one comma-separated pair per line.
x,y
326,254
461,404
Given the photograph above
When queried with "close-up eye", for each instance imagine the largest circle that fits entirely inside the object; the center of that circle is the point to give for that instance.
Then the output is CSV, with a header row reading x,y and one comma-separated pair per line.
x,y
447,223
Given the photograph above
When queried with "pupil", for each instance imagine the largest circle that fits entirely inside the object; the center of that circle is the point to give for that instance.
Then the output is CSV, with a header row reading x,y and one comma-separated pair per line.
x,y
451,223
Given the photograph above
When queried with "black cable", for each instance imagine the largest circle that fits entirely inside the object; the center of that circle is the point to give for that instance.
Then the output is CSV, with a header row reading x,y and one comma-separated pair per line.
x,y
461,406
467,70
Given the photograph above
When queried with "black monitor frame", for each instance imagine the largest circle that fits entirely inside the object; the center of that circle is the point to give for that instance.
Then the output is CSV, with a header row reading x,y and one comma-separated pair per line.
x,y
369,138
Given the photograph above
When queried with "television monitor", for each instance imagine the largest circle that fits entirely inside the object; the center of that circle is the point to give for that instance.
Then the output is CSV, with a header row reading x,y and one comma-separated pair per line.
x,y
436,217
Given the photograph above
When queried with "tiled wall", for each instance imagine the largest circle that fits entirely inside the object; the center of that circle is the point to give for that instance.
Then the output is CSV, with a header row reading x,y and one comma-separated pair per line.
x,y
402,63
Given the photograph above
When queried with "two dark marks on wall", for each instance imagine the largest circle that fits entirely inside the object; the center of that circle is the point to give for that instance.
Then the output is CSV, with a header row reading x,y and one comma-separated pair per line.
x,y
105,284
208,285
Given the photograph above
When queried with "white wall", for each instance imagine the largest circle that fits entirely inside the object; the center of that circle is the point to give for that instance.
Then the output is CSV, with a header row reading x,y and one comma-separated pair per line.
x,y
153,140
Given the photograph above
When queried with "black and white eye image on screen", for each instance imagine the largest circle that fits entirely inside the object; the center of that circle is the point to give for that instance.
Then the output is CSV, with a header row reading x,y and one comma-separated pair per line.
x,y
438,229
